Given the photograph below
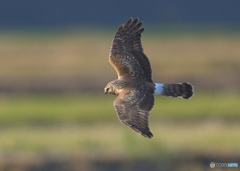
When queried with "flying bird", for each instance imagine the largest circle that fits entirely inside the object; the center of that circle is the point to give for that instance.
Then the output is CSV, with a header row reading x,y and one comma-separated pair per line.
x,y
134,87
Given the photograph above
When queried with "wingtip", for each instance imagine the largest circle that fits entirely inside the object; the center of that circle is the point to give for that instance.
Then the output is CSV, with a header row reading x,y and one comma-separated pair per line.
x,y
119,30
136,19
148,135
144,132
128,23
131,26
131,18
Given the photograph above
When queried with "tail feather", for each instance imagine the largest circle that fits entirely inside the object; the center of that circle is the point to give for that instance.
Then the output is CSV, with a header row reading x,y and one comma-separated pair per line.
x,y
181,90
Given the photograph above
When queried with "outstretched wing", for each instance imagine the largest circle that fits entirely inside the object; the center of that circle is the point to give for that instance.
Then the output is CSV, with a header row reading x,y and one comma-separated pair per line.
x,y
127,56
133,109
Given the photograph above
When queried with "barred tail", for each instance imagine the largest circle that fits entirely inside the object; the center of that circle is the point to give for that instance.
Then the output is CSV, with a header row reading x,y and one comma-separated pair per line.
x,y
181,90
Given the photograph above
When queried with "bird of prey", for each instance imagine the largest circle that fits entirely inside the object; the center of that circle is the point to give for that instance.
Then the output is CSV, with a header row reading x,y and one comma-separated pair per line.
x,y
134,87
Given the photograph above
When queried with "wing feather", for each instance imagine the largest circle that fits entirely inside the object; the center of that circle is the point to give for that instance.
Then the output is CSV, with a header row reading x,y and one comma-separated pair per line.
x,y
127,25
127,55
133,110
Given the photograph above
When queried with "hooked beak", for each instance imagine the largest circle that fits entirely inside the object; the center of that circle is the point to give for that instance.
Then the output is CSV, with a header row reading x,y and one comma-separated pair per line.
x,y
106,91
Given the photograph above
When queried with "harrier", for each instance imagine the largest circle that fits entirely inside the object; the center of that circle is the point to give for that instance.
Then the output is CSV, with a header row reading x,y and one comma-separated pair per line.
x,y
134,87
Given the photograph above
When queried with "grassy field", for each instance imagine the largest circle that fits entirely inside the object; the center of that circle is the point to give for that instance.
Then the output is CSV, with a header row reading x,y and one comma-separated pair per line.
x,y
79,60
110,139
40,128
83,109
53,114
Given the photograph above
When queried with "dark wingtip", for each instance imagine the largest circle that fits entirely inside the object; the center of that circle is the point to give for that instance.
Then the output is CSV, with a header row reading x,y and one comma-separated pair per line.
x,y
136,20
144,132
132,26
128,23
130,19
119,30
147,134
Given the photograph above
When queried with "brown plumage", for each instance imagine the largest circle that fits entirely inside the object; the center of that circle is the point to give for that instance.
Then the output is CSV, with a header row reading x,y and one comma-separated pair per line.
x,y
127,55
134,86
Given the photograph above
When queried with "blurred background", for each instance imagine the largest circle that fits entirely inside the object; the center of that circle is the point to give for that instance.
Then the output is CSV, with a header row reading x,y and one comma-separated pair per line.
x,y
54,67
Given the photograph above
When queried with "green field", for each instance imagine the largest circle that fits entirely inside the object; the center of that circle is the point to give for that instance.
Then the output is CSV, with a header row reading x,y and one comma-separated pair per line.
x,y
190,147
53,111
84,109
86,127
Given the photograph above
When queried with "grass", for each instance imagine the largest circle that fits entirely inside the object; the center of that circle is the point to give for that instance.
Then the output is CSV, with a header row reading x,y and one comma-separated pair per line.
x,y
114,139
86,125
61,109
75,124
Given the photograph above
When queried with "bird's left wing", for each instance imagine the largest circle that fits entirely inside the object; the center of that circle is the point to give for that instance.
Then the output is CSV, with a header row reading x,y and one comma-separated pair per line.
x,y
133,109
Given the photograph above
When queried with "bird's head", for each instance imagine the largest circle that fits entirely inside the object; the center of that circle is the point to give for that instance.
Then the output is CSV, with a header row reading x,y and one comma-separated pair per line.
x,y
109,89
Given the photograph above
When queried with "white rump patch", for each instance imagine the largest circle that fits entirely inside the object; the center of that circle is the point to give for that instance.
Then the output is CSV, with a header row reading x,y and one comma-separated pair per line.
x,y
158,88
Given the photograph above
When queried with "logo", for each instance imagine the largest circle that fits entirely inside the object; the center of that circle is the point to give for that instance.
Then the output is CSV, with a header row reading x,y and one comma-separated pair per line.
x,y
212,164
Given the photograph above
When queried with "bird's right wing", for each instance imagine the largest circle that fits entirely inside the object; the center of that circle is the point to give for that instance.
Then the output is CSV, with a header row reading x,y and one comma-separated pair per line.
x,y
127,56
